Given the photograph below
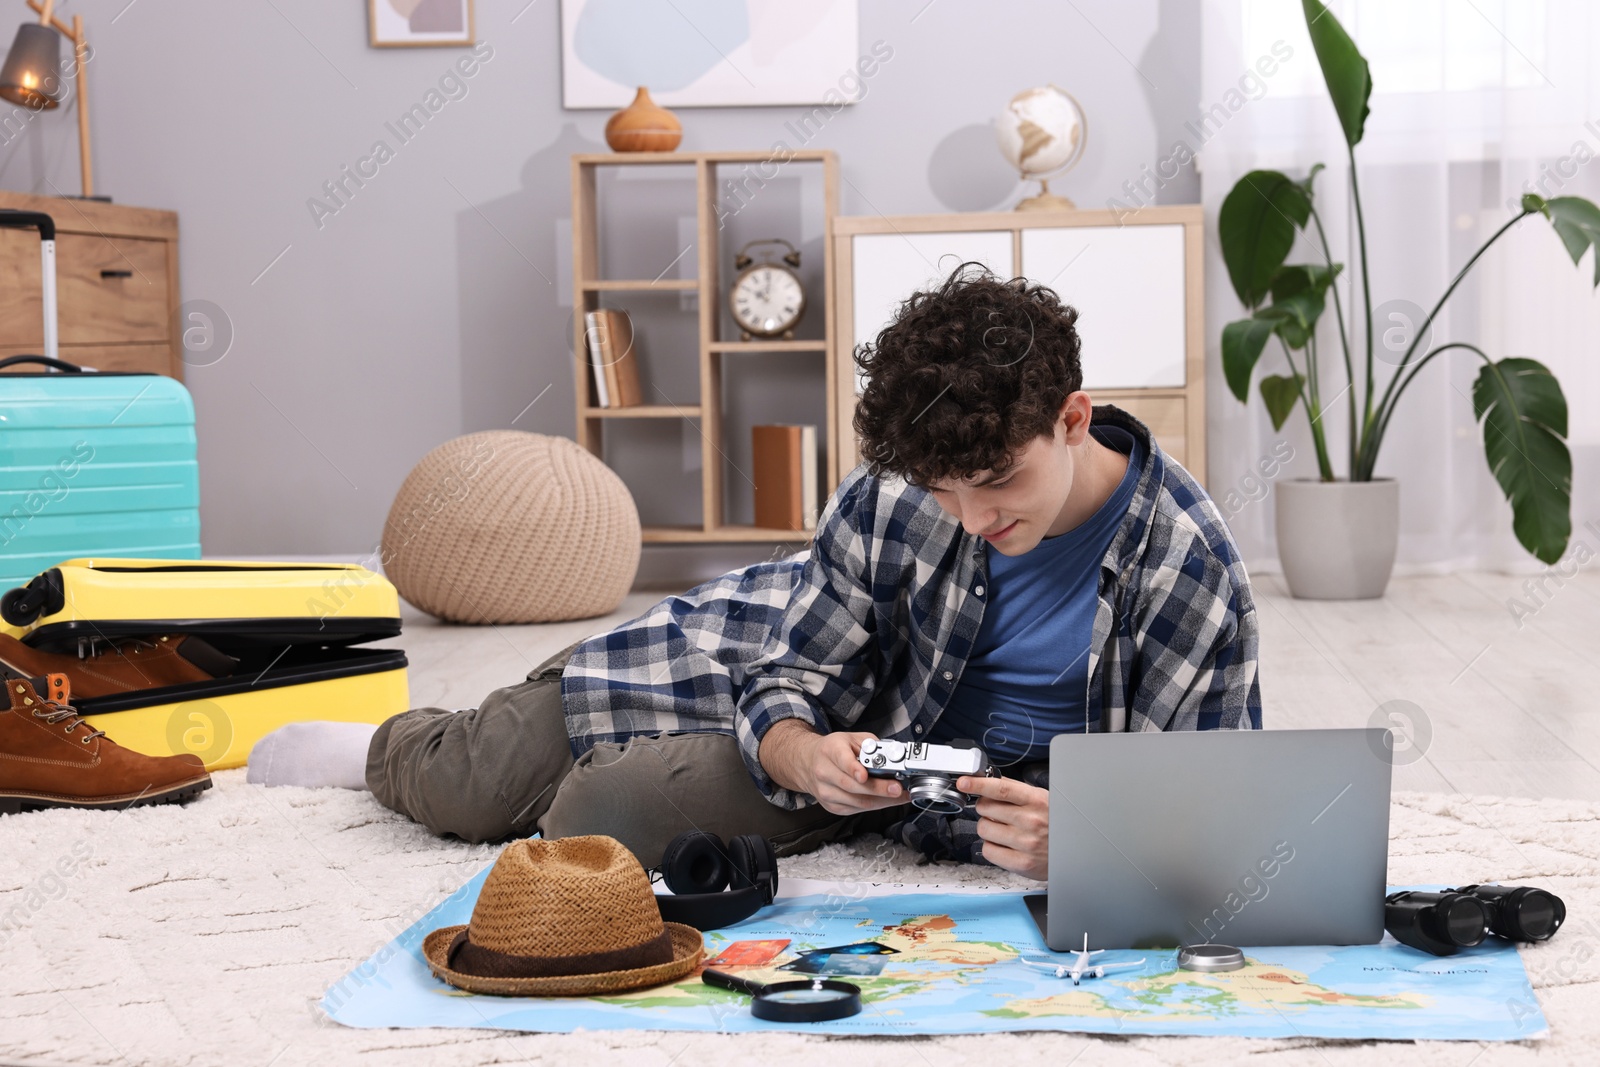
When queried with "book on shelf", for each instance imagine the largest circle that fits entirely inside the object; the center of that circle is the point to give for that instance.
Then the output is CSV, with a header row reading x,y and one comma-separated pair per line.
x,y
591,337
614,356
785,462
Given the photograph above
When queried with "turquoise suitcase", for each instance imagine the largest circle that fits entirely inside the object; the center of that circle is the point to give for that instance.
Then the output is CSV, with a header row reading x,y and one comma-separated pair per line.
x,y
91,464
94,465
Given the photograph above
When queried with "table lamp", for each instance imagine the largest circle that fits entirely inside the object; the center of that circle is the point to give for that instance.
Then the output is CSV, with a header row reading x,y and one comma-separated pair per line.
x,y
31,75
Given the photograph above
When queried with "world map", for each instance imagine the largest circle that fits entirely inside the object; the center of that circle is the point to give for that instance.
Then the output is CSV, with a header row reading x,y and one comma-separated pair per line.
x,y
954,963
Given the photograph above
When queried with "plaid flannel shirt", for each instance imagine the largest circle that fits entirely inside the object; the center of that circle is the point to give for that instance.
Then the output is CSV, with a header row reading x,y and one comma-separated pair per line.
x,y
869,629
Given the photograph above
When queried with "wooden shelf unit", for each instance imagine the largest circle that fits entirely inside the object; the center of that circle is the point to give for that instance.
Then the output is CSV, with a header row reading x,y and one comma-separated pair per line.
x,y
769,346
642,411
709,286
724,533
625,286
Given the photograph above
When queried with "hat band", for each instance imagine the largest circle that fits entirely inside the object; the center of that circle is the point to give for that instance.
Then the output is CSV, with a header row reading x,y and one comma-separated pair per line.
x,y
468,958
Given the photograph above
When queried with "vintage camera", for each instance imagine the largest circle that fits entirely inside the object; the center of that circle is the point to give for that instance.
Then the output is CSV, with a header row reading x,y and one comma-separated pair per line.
x,y
929,771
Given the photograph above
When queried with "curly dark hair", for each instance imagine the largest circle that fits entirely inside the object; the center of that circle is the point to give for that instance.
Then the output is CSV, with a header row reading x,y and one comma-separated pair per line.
x,y
965,377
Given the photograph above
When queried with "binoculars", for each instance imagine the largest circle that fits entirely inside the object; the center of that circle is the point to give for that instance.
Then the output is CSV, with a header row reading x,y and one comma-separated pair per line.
x,y
1444,922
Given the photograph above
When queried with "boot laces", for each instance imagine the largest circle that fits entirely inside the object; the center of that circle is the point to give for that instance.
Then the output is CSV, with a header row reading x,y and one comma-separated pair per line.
x,y
54,713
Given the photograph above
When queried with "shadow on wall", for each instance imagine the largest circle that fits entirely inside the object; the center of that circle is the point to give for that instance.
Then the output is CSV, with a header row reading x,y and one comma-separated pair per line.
x,y
516,339
967,172
1173,61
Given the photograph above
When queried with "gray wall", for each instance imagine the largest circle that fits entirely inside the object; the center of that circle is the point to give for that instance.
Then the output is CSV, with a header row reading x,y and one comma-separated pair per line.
x,y
437,300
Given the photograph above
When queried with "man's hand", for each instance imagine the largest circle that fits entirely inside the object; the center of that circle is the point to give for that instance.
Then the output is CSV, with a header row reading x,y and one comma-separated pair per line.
x,y
1014,823
825,766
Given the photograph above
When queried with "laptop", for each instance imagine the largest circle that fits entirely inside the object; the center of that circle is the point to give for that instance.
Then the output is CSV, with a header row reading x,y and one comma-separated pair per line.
x,y
1239,837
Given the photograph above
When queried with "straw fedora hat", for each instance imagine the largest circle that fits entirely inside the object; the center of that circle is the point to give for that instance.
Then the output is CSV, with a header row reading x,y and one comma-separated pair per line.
x,y
567,918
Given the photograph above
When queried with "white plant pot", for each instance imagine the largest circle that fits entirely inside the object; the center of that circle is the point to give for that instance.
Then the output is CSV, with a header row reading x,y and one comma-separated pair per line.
x,y
1337,540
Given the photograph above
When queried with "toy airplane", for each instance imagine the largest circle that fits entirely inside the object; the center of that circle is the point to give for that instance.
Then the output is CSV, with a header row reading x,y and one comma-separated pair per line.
x,y
1081,967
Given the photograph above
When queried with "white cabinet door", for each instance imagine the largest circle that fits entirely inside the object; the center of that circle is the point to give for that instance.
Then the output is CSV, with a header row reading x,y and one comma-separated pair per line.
x,y
888,267
1127,283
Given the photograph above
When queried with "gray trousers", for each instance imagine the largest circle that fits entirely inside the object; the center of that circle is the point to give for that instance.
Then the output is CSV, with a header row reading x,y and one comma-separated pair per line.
x,y
504,769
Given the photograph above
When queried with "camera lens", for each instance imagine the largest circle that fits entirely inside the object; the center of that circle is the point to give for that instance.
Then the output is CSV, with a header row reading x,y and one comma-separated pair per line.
x,y
933,793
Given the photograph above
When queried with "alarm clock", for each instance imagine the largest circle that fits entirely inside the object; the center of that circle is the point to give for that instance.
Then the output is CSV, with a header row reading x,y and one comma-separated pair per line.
x,y
766,298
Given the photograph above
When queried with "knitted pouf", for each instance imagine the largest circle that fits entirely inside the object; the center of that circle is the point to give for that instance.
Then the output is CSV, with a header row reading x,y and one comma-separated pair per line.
x,y
511,527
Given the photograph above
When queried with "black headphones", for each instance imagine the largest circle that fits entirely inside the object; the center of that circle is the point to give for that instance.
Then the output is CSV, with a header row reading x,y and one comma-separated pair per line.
x,y
697,867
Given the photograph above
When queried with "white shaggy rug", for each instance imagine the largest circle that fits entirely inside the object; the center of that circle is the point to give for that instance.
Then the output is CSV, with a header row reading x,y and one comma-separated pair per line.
x,y
207,934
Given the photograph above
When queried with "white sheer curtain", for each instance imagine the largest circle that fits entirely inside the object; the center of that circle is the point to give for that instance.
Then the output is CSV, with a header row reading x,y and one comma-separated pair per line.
x,y
1474,102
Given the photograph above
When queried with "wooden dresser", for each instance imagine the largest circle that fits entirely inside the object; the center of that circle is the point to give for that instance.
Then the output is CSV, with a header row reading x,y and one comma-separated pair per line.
x,y
116,284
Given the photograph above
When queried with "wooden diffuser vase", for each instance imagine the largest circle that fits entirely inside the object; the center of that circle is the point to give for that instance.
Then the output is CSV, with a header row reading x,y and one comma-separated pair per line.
x,y
643,126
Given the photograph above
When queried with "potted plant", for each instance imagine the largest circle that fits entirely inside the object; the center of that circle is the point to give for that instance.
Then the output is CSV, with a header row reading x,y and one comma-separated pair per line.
x,y
1337,537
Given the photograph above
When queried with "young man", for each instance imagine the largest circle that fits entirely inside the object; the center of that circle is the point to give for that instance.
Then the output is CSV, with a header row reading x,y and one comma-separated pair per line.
x,y
1008,564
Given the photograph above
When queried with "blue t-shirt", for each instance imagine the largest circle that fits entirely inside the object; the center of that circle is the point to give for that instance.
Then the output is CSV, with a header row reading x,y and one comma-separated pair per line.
x,y
1028,674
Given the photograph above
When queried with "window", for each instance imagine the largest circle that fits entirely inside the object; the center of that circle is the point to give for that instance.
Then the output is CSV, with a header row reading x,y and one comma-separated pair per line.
x,y
1417,46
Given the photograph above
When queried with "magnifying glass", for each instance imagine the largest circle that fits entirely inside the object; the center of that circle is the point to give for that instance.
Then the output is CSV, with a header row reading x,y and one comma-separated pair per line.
x,y
814,1000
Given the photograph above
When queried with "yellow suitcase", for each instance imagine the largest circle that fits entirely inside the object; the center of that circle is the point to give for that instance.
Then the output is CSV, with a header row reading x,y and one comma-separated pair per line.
x,y
293,628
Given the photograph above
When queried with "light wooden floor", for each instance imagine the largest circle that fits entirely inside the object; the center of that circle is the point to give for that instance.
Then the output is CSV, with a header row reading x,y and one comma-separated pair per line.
x,y
1492,706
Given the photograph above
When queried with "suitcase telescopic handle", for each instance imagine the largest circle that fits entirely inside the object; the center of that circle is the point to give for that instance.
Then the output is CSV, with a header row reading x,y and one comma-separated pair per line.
x,y
28,220
47,268
54,364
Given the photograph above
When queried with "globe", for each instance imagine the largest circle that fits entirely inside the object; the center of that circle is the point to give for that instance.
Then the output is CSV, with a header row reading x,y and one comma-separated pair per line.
x,y
1042,133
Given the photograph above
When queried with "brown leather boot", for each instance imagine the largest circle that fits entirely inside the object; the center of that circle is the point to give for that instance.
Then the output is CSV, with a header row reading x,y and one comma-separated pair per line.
x,y
123,666
51,758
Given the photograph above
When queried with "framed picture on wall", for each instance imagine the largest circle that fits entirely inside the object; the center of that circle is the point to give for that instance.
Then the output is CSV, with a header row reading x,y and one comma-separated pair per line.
x,y
734,54
419,23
